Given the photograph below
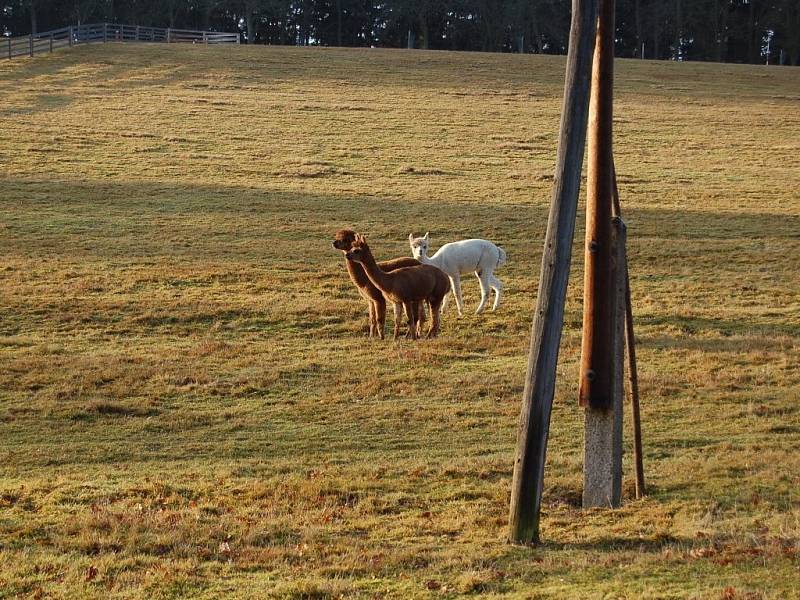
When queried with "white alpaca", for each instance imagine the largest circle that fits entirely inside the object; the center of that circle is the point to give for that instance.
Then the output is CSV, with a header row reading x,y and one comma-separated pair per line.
x,y
481,257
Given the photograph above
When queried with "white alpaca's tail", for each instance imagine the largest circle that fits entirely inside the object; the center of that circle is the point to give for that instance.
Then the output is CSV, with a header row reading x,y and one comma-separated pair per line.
x,y
501,257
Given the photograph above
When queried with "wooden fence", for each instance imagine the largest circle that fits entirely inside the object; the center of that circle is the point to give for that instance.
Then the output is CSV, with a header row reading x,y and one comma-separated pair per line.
x,y
47,41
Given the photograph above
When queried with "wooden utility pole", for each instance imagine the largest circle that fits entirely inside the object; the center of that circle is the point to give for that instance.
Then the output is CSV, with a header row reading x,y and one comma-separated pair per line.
x,y
600,389
537,398
598,318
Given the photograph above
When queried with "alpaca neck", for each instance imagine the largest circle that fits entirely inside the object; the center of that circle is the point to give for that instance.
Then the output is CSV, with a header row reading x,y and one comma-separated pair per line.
x,y
356,271
376,275
426,260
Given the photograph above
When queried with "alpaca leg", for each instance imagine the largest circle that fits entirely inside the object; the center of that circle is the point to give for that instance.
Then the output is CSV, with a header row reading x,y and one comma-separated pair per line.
x,y
497,286
371,306
483,279
380,317
455,282
398,317
420,317
411,313
435,307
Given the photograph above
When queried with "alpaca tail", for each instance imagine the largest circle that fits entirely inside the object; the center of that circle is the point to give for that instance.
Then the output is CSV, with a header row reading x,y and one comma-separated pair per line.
x,y
501,257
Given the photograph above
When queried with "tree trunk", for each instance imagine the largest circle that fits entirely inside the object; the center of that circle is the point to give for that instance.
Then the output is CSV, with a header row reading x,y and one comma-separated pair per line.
x,y
251,31
638,18
537,36
207,8
751,26
723,42
34,28
338,22
657,34
678,28
717,34
304,36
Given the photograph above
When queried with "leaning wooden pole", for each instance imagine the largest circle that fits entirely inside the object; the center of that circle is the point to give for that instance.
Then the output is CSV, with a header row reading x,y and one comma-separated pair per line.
x,y
600,384
633,372
537,398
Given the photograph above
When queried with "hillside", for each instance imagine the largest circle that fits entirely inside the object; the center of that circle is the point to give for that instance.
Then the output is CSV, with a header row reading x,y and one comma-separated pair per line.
x,y
189,408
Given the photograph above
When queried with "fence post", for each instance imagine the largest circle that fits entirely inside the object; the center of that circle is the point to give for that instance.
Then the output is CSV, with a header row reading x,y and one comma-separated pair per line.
x,y
30,43
70,35
205,38
169,34
105,32
51,43
136,38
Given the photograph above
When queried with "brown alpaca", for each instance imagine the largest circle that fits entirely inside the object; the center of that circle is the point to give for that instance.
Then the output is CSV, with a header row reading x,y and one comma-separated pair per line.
x,y
405,287
375,300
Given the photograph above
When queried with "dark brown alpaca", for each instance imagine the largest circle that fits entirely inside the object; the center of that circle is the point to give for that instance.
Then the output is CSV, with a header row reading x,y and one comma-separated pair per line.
x,y
375,300
405,287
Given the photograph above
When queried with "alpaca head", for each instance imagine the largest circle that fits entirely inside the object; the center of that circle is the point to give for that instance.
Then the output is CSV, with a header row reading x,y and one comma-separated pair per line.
x,y
344,239
359,249
419,246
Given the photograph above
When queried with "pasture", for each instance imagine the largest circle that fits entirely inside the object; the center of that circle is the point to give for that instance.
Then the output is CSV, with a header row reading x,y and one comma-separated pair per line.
x,y
188,404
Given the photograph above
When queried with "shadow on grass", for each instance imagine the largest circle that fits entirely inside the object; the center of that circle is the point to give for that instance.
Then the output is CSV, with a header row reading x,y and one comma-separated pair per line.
x,y
722,327
731,345
302,213
620,543
652,545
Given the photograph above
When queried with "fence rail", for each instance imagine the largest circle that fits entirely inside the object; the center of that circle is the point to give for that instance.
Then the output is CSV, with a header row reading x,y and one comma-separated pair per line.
x,y
47,41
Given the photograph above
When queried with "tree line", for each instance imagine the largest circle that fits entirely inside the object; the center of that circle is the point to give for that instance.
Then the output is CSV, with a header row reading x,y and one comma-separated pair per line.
x,y
744,31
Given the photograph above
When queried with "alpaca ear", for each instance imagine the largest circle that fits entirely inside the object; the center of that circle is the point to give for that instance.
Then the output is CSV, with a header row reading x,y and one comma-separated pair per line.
x,y
426,236
410,237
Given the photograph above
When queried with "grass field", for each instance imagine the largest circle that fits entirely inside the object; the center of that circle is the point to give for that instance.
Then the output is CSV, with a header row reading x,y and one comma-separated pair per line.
x,y
189,407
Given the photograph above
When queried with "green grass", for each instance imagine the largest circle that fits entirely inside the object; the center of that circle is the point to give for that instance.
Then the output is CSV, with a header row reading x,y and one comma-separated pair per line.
x,y
189,408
